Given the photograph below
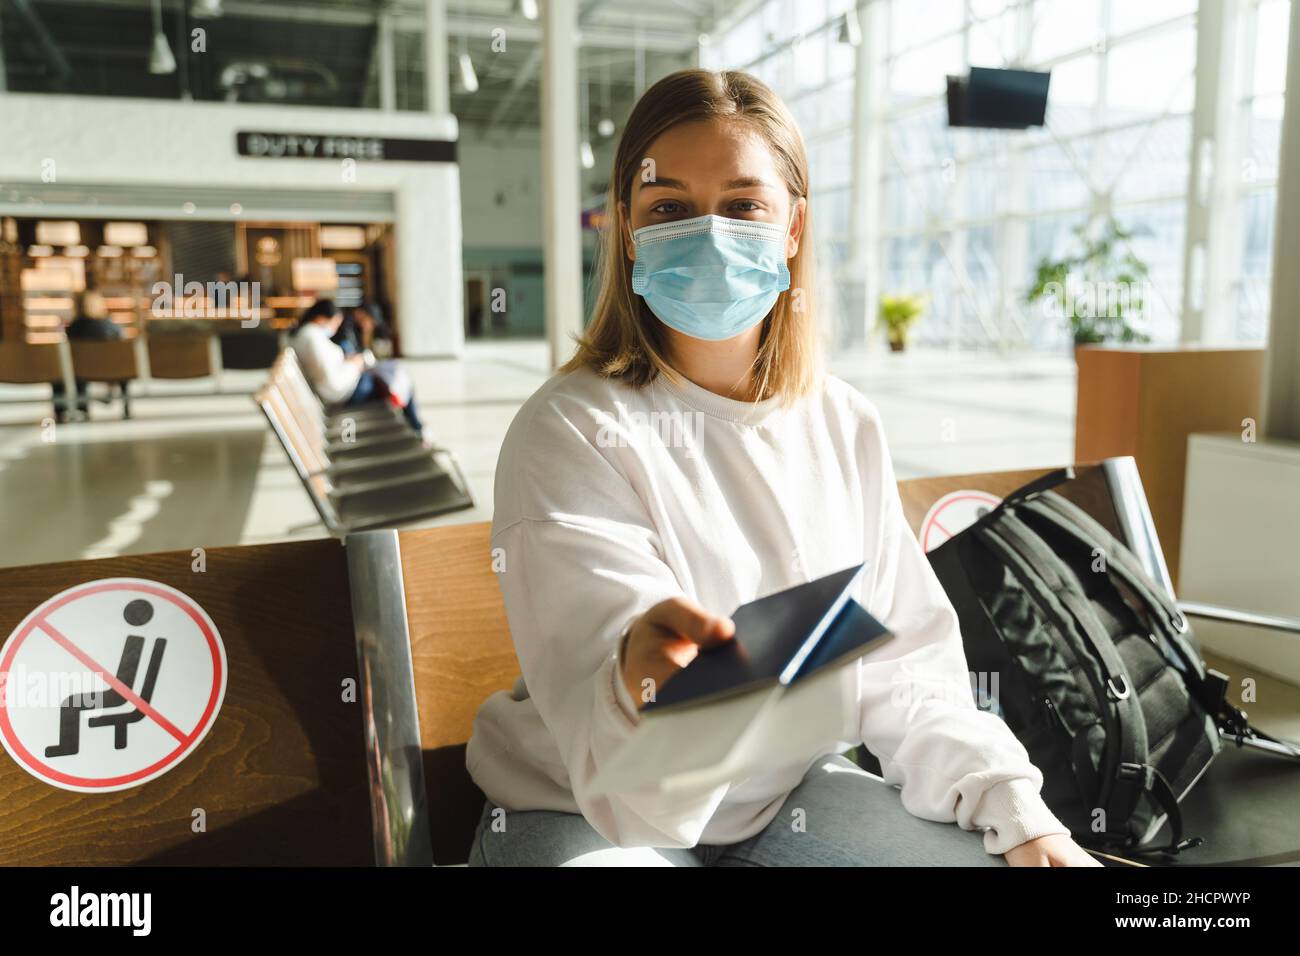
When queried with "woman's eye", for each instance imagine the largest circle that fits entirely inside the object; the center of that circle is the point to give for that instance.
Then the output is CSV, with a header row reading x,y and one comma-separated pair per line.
x,y
745,205
667,208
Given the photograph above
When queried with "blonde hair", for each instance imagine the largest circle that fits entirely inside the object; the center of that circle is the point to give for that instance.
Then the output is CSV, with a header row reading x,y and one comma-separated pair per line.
x,y
624,339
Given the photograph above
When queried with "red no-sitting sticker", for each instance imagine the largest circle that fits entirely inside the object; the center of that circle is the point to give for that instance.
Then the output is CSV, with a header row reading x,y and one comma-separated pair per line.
x,y
110,684
952,513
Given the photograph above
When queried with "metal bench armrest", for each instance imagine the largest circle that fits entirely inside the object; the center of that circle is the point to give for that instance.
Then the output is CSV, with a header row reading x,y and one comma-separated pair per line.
x,y
1234,615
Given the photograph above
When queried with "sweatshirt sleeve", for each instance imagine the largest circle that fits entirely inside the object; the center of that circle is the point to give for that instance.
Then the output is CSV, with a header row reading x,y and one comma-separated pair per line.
x,y
952,761
326,366
581,561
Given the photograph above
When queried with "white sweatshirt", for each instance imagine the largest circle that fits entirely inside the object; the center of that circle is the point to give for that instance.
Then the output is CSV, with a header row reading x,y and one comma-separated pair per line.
x,y
610,499
324,363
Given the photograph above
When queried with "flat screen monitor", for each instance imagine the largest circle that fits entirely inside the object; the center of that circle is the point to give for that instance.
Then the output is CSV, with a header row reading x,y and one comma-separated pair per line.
x,y
998,99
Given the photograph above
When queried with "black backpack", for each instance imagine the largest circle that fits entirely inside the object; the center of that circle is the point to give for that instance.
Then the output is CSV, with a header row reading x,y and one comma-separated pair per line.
x,y
1092,665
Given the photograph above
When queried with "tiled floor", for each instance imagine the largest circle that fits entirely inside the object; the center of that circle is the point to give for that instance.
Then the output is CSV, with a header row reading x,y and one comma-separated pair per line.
x,y
194,468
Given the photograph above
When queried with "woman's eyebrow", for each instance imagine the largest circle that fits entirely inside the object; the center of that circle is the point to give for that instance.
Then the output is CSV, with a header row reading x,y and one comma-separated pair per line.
x,y
744,182
663,182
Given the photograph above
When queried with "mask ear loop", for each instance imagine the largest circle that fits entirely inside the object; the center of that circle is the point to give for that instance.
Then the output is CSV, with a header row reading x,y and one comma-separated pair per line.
x,y
790,225
629,236
785,262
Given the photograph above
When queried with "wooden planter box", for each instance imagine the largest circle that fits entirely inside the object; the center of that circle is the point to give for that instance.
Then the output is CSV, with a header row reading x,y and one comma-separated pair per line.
x,y
1145,401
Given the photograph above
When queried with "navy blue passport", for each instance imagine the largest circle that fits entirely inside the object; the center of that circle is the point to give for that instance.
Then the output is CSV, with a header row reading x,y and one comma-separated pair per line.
x,y
779,639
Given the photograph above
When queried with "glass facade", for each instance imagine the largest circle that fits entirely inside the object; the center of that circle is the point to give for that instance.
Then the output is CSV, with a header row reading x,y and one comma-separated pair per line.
x,y
1261,83
965,215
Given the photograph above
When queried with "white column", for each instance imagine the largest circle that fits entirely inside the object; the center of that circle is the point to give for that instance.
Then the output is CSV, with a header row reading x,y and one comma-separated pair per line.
x,y
431,308
1281,405
437,97
386,64
865,258
1209,252
1013,248
4,81
561,204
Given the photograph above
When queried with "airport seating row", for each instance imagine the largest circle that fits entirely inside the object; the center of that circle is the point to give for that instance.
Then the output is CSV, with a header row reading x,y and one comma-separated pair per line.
x,y
362,466
300,769
116,362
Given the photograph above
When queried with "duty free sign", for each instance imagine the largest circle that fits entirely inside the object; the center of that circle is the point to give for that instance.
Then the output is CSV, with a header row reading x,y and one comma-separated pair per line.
x,y
272,145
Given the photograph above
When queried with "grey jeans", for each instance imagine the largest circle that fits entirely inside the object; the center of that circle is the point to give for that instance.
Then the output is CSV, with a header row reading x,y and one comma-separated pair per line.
x,y
838,816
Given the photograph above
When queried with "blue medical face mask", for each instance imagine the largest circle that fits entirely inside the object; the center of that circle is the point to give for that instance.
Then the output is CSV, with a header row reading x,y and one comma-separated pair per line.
x,y
710,277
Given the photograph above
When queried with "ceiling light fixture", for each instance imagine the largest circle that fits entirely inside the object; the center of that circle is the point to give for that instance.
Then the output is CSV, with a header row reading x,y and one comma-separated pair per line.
x,y
851,28
605,125
161,60
586,155
468,78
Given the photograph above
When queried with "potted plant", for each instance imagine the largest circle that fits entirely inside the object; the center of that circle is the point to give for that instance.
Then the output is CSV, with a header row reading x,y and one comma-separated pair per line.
x,y
898,313
1097,290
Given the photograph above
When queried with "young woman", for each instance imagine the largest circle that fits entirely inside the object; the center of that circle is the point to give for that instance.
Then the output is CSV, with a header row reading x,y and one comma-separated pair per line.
x,y
622,546
337,376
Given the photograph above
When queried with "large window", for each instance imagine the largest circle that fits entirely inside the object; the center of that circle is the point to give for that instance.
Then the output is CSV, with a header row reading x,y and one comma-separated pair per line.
x,y
1261,82
965,215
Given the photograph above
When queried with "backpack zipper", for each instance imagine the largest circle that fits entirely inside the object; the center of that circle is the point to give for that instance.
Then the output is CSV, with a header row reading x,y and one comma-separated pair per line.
x,y
1054,717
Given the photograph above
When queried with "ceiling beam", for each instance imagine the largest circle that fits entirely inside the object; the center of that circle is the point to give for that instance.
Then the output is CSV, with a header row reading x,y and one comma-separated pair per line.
x,y
528,70
50,51
674,33
523,76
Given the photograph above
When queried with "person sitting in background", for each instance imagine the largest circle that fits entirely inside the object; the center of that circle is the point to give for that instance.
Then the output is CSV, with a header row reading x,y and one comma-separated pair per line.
x,y
382,339
358,330
91,324
339,378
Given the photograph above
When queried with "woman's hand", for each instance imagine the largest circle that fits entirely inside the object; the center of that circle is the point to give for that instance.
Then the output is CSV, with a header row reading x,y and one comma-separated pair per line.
x,y
665,639
1054,850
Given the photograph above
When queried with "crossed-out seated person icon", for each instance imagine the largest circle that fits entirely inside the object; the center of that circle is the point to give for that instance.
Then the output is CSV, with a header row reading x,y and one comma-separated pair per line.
x,y
137,613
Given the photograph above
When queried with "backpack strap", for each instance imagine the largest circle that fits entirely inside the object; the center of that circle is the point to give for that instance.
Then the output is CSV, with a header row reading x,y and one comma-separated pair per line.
x,y
1155,783
1208,687
1084,528
1040,484
1157,607
1037,486
1045,575
1133,776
